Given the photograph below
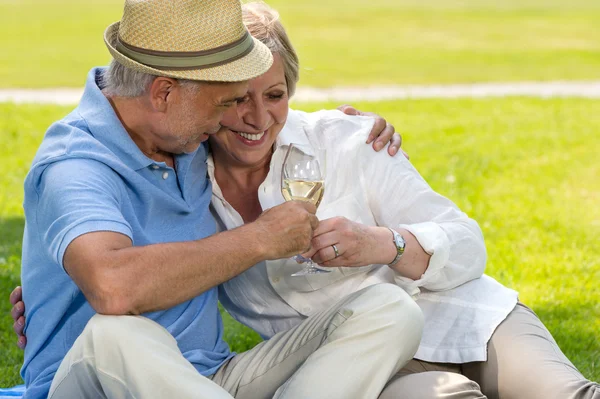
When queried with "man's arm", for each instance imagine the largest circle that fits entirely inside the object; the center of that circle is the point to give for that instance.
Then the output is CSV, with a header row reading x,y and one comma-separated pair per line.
x,y
118,278
82,226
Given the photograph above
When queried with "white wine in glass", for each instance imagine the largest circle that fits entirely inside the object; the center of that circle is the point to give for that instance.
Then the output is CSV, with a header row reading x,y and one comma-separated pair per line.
x,y
303,190
302,179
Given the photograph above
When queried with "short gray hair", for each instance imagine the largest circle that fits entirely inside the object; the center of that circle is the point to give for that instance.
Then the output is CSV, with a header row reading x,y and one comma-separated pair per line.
x,y
120,81
263,23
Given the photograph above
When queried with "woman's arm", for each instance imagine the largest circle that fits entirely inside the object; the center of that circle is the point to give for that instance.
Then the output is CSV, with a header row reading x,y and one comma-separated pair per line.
x,y
339,241
18,315
444,247
399,198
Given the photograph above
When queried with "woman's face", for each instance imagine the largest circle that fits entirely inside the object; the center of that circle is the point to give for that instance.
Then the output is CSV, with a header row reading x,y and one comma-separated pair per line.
x,y
250,129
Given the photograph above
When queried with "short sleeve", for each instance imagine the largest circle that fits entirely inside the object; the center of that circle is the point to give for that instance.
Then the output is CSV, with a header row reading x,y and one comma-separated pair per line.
x,y
75,197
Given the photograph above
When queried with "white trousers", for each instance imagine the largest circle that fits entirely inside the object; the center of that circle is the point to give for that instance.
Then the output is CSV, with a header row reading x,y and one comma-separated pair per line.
x,y
347,351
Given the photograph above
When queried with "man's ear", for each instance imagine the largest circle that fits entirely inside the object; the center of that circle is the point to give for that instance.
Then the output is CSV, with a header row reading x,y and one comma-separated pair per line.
x,y
160,91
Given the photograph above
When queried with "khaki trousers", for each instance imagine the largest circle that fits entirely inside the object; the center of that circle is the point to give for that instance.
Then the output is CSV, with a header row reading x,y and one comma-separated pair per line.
x,y
342,352
524,362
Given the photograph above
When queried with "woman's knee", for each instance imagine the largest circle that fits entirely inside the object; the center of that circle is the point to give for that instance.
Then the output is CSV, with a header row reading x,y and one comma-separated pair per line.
x,y
431,385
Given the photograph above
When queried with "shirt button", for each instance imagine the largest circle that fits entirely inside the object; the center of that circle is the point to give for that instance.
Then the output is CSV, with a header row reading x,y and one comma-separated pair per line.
x,y
165,175
155,167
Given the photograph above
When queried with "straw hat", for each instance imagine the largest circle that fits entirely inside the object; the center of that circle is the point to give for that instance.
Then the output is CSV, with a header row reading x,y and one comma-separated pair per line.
x,y
187,39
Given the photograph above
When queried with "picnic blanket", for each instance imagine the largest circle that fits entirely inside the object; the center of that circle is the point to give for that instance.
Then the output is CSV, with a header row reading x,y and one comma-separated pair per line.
x,y
12,393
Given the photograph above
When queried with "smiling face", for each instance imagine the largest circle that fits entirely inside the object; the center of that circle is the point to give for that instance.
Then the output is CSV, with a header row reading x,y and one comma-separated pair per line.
x,y
249,132
192,113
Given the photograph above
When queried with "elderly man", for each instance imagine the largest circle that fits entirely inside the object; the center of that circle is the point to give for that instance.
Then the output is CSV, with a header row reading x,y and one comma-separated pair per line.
x,y
117,225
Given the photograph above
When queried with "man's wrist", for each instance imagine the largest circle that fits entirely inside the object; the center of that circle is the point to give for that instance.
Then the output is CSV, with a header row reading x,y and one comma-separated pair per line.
x,y
252,237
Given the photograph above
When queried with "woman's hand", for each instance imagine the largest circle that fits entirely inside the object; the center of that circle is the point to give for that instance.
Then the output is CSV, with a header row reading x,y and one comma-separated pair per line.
x,y
356,243
382,132
18,315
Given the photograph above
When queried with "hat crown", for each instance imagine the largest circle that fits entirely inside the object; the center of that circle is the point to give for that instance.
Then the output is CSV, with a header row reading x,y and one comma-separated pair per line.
x,y
181,25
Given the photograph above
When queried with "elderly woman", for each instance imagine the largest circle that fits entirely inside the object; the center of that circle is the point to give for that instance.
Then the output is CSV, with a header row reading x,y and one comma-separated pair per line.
x,y
478,340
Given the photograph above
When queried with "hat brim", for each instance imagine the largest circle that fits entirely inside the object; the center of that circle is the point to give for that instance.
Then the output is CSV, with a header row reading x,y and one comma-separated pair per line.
x,y
251,65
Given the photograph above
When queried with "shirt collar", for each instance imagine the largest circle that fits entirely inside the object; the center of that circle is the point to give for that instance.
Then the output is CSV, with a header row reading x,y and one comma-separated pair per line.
x,y
292,133
210,168
105,126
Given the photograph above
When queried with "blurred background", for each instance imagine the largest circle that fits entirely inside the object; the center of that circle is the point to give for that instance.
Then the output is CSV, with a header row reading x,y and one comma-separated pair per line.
x,y
525,167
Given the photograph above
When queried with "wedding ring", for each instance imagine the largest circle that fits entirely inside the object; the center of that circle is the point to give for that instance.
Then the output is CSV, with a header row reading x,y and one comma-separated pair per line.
x,y
335,250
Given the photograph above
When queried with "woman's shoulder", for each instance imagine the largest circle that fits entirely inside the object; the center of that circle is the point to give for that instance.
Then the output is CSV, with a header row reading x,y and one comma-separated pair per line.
x,y
331,126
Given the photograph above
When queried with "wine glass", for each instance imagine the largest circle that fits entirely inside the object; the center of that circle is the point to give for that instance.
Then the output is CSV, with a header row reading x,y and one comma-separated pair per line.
x,y
302,179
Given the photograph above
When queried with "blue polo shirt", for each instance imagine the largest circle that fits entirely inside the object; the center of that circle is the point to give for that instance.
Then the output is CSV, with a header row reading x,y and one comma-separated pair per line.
x,y
88,175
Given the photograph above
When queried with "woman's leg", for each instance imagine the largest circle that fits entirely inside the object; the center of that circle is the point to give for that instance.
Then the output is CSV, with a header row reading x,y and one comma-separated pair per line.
x,y
423,380
524,361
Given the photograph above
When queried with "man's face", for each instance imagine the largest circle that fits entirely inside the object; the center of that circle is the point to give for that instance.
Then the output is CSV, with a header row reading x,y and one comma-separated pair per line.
x,y
196,112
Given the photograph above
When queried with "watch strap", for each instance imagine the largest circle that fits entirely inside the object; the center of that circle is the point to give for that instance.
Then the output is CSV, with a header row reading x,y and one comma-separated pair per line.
x,y
400,244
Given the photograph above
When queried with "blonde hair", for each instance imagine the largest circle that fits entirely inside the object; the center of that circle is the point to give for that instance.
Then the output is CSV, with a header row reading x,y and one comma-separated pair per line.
x,y
263,23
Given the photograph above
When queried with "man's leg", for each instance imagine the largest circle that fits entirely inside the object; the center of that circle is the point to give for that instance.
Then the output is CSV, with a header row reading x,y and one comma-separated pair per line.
x,y
129,357
524,361
423,380
347,351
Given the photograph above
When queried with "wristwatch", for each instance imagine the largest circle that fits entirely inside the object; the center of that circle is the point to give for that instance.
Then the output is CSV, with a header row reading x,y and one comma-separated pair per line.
x,y
400,244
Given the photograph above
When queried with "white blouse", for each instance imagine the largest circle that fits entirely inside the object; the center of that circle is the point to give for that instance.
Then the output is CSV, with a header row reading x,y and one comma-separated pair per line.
x,y
462,308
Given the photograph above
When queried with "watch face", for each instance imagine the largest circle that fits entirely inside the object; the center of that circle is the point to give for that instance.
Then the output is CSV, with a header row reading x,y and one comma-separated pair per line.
x,y
400,243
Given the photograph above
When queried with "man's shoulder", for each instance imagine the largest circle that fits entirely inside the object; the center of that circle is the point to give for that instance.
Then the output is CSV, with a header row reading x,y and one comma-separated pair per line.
x,y
69,139
70,151
59,136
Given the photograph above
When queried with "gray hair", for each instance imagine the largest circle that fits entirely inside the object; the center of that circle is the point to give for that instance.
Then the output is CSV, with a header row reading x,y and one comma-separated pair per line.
x,y
263,23
120,81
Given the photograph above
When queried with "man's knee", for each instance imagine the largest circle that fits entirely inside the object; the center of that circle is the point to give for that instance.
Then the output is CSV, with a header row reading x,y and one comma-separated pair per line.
x,y
402,314
116,331
396,301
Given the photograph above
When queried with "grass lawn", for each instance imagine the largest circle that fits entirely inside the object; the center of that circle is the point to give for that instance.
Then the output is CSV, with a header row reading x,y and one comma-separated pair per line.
x,y
50,43
526,169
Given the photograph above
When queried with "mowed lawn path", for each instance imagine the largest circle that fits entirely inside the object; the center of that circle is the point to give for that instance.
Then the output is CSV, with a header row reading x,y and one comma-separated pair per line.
x,y
526,169
53,43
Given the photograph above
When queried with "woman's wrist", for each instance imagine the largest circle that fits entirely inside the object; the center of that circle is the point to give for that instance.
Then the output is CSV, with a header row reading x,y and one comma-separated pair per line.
x,y
384,250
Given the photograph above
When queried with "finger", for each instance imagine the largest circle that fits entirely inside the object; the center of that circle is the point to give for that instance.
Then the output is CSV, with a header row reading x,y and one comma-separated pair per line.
x,y
325,240
306,205
314,222
326,226
348,109
309,254
385,137
395,144
19,325
17,310
326,255
22,342
16,295
378,128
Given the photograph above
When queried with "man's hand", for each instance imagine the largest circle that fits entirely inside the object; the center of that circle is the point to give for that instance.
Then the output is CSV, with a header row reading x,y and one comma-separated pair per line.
x,y
287,229
357,244
382,132
18,315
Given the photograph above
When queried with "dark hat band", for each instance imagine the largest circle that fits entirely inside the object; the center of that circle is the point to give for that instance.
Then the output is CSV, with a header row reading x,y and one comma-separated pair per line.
x,y
182,60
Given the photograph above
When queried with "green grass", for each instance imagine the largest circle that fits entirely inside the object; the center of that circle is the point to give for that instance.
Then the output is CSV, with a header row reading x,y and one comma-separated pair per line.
x,y
50,43
526,169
